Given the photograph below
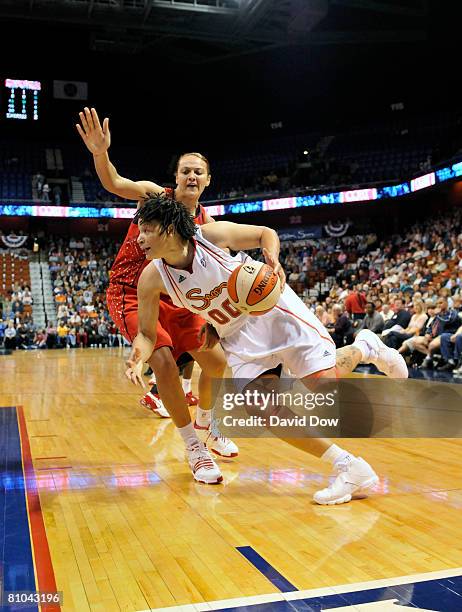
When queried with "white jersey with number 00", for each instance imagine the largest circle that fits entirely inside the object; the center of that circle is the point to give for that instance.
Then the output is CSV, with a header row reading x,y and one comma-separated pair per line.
x,y
203,287
289,334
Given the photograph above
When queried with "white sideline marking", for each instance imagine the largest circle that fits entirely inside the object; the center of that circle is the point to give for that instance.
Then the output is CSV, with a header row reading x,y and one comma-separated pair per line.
x,y
309,593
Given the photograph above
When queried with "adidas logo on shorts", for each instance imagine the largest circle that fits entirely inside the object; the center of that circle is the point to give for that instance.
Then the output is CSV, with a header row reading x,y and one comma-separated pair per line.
x,y
326,354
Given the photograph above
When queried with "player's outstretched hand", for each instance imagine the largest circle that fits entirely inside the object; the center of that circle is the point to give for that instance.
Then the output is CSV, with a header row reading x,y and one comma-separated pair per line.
x,y
208,336
134,371
277,268
97,139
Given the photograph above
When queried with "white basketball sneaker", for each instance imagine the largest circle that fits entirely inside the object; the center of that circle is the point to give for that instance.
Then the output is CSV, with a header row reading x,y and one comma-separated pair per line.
x,y
223,446
203,467
387,359
352,476
220,445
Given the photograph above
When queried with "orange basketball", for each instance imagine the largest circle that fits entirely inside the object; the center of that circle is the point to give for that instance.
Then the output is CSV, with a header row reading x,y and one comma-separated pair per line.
x,y
254,288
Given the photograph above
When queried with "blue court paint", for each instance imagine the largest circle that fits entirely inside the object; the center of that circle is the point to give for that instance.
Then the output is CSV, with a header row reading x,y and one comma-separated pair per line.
x,y
277,606
17,567
266,569
442,595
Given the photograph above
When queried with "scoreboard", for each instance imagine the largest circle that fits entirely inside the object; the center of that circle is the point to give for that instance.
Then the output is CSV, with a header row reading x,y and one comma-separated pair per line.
x,y
20,99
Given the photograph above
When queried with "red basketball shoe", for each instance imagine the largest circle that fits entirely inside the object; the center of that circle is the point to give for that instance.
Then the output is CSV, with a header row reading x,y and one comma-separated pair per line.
x,y
153,402
192,400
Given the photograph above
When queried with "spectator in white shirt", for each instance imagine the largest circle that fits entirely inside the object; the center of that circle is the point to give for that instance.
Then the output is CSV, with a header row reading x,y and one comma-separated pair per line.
x,y
46,192
10,336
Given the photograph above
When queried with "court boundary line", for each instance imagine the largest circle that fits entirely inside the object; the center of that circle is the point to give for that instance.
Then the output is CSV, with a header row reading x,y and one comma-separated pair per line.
x,y
310,593
25,521
43,566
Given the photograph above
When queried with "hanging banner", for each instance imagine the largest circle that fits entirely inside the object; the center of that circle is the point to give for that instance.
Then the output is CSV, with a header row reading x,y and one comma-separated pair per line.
x,y
14,242
70,90
336,229
300,233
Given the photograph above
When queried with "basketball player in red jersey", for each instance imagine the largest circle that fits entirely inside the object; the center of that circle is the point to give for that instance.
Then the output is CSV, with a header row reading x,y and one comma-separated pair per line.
x,y
178,330
122,301
288,336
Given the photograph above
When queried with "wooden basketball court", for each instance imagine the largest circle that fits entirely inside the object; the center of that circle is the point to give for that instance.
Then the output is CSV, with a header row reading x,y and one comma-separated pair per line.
x,y
116,521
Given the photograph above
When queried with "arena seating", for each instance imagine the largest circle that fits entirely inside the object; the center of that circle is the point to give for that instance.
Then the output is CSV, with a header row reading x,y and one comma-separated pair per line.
x,y
387,150
14,270
423,264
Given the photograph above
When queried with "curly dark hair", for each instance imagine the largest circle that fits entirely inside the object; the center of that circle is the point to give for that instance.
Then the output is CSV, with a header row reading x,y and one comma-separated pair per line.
x,y
167,212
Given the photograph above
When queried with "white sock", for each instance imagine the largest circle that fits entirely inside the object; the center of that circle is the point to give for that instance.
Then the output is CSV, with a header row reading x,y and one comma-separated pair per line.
x,y
188,433
334,454
364,349
203,417
186,384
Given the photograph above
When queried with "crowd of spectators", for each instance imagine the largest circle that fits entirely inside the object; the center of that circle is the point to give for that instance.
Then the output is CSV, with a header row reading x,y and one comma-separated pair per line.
x,y
80,274
406,287
79,269
16,324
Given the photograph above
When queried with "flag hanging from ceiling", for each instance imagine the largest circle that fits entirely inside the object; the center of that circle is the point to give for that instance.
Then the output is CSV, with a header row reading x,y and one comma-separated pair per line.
x,y
70,90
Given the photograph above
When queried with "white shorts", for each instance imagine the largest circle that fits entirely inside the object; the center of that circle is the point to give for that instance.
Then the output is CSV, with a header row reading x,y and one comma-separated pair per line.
x,y
290,334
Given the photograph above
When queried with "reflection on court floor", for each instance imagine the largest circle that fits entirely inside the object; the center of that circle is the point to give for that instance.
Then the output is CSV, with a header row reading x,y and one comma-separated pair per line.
x,y
101,483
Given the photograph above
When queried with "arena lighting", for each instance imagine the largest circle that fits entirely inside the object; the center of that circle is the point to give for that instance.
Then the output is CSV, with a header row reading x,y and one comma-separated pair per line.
x,y
456,168
216,211
280,203
358,195
421,182
383,192
77,212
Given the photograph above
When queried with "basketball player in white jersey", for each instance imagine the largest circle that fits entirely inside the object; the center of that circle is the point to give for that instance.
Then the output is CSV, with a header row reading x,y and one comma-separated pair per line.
x,y
191,265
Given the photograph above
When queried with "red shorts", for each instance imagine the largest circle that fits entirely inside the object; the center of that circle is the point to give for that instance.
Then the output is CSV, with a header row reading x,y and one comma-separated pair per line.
x,y
177,328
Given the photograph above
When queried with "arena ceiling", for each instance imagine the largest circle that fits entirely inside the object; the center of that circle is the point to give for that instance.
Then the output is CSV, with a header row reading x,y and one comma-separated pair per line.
x,y
204,31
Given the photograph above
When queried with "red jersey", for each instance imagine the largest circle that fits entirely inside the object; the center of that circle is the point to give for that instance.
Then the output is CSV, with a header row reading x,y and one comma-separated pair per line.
x,y
130,260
